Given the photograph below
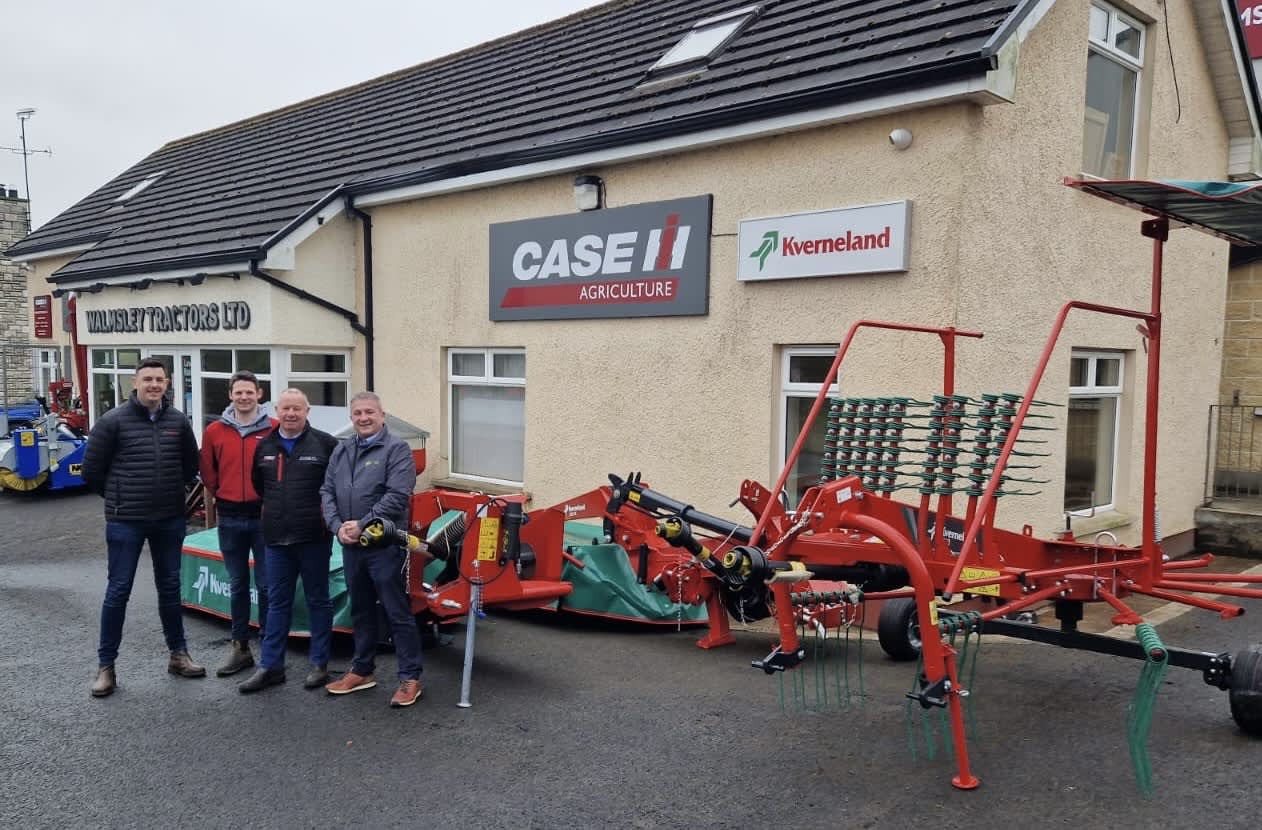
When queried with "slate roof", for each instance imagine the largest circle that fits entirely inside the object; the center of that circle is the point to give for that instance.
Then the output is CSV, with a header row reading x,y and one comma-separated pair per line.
x,y
565,87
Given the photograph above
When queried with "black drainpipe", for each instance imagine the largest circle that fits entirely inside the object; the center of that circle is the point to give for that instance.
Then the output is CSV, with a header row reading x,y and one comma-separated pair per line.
x,y
366,219
255,271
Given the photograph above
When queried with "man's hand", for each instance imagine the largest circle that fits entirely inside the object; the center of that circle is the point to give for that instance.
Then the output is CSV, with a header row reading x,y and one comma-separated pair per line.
x,y
348,533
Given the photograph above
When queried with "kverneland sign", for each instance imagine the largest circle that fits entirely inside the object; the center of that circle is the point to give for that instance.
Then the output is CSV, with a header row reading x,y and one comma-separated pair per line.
x,y
870,239
648,260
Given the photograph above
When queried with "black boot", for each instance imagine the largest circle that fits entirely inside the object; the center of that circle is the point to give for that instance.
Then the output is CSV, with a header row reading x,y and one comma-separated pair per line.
x,y
261,679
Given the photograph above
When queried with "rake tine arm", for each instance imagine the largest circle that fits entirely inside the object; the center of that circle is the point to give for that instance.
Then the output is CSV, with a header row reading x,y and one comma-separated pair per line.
x,y
1201,588
1225,610
1125,614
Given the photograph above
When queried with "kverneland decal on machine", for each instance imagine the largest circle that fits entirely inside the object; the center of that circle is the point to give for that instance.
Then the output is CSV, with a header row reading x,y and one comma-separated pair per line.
x,y
647,260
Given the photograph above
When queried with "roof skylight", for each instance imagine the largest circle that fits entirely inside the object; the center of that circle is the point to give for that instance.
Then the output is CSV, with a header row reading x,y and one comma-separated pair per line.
x,y
139,187
706,39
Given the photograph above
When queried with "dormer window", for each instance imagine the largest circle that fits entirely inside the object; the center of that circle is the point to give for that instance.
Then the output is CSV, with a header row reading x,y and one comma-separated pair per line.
x,y
705,40
139,187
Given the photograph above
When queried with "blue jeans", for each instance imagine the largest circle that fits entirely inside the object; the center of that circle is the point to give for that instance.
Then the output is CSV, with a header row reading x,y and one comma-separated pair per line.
x,y
125,541
285,563
238,535
375,575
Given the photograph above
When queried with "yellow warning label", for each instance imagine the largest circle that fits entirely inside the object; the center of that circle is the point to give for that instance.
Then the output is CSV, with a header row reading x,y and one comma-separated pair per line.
x,y
76,469
488,536
26,439
980,573
933,612
633,496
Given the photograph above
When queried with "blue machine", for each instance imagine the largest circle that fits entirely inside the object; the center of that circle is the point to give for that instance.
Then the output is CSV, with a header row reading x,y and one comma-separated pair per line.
x,y
49,453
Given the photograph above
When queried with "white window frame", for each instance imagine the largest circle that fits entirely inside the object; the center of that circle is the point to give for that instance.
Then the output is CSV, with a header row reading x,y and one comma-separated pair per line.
x,y
291,376
684,53
122,376
1092,390
1106,49
200,373
47,368
790,389
487,378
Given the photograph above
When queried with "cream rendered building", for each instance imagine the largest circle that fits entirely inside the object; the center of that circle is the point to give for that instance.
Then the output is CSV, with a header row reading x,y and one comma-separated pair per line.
x,y
700,401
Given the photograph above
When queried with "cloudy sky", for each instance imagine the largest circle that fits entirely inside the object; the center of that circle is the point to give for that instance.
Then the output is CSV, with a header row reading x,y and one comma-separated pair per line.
x,y
113,81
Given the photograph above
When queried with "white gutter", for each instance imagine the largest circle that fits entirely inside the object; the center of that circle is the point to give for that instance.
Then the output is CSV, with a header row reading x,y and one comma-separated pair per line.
x,y
977,90
47,254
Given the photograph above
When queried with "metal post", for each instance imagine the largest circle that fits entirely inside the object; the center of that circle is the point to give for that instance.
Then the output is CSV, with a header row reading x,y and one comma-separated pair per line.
x,y
25,157
470,627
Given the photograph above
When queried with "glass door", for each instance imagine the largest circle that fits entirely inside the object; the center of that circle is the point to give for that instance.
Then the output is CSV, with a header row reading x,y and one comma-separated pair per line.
x,y
179,365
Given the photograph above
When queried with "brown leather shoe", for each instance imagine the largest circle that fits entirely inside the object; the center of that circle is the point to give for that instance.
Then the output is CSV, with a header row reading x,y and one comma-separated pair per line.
x,y
183,665
409,692
350,682
105,682
239,658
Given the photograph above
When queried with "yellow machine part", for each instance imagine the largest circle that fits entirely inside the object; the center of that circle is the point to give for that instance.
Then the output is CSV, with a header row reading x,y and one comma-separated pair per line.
x,y
10,480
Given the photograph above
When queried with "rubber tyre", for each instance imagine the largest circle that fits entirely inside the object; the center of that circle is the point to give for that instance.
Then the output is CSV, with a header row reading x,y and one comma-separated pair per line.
x,y
898,629
1245,694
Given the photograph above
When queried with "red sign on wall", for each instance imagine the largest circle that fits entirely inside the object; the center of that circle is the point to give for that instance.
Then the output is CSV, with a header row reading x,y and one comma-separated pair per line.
x,y
1250,12
43,315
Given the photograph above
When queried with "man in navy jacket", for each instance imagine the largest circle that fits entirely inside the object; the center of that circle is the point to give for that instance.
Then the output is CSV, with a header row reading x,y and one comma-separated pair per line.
x,y
140,455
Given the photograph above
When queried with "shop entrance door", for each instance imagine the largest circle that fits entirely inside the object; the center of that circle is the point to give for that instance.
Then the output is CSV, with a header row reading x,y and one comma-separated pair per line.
x,y
181,394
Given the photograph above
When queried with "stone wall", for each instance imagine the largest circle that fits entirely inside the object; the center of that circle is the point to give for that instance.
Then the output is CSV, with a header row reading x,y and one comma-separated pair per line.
x,y
15,330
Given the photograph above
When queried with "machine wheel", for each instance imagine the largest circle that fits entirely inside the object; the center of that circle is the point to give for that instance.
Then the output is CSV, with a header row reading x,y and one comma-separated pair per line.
x,y
898,629
1246,690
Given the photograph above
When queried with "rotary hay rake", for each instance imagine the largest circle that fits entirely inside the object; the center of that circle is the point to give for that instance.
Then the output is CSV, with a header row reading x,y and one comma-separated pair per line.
x,y
850,541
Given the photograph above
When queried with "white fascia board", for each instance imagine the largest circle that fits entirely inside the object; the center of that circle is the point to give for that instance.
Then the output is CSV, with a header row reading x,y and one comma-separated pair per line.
x,y
975,89
282,246
157,276
49,253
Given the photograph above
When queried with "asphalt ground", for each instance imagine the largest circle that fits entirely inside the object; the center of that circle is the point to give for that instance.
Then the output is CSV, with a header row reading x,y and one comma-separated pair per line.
x,y
574,725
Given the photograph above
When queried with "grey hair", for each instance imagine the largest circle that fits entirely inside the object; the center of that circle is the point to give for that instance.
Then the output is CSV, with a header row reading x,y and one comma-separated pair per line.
x,y
292,391
367,396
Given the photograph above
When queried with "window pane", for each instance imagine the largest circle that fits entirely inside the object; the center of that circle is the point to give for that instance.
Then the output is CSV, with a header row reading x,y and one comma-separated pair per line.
x,y
103,393
509,366
1099,24
128,358
1107,371
322,392
806,472
809,368
1109,118
488,431
699,43
468,365
217,360
214,399
1078,371
1089,433
325,363
1126,39
102,358
258,361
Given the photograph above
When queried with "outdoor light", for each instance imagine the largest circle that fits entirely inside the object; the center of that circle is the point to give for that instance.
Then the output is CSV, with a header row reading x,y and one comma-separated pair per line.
x,y
197,279
589,192
900,138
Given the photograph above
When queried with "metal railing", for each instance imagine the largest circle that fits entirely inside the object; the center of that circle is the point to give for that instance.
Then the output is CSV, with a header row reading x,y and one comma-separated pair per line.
x,y
1234,453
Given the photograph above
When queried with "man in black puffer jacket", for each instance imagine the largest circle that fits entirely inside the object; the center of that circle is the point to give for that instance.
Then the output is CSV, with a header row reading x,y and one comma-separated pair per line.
x,y
140,455
288,471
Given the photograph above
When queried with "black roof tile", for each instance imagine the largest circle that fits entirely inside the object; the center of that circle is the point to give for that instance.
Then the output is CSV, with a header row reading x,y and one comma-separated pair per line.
x,y
564,87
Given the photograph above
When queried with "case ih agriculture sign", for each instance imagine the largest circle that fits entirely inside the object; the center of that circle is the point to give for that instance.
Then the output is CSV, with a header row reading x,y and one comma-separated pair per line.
x,y
858,240
649,260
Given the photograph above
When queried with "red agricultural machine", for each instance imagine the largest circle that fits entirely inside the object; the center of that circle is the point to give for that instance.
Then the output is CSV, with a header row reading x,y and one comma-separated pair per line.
x,y
850,541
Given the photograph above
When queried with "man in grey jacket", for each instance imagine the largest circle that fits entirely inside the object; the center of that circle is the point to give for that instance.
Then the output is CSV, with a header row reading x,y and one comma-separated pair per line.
x,y
371,475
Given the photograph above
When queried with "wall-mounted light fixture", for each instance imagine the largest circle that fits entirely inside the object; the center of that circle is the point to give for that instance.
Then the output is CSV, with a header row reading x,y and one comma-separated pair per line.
x,y
589,192
197,279
141,285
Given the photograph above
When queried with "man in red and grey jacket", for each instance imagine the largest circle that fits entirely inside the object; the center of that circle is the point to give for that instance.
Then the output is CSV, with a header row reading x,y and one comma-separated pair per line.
x,y
227,460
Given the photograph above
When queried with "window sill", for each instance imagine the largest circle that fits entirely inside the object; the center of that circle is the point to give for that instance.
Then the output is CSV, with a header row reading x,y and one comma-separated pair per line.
x,y
1106,520
469,486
